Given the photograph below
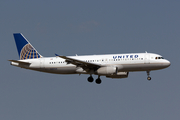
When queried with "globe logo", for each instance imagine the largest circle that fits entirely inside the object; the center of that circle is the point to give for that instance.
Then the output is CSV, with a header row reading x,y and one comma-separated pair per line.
x,y
28,52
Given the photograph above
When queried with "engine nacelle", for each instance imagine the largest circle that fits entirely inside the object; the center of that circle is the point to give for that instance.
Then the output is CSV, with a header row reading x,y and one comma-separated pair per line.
x,y
107,71
80,70
119,75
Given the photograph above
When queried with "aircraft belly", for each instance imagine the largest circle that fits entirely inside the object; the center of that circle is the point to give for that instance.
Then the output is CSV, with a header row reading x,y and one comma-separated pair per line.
x,y
60,70
67,70
141,67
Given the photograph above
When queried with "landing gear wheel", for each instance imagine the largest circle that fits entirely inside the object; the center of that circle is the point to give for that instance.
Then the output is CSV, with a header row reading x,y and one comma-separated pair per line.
x,y
98,81
148,73
149,78
90,79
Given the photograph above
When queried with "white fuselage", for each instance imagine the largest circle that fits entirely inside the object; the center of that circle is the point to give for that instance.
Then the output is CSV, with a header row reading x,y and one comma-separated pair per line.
x,y
124,62
109,65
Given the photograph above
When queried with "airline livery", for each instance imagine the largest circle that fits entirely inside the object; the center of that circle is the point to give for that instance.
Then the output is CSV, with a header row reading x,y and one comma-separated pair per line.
x,y
110,65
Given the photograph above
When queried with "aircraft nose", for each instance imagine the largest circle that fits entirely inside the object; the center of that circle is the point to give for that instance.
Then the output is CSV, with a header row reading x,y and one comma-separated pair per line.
x,y
167,63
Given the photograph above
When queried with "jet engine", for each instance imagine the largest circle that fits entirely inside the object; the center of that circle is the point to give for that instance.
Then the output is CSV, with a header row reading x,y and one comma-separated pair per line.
x,y
107,70
119,75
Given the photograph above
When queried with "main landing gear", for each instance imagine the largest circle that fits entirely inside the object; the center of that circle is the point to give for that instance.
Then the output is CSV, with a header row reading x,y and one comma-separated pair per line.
x,y
148,73
91,79
98,80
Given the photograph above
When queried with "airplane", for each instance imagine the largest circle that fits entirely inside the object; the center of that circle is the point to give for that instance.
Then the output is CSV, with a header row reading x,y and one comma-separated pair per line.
x,y
110,65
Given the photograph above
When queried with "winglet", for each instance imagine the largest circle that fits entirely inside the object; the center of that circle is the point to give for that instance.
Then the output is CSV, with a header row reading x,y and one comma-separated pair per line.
x,y
56,54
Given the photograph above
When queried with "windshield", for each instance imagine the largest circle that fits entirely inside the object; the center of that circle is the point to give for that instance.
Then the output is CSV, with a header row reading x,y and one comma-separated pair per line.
x,y
159,58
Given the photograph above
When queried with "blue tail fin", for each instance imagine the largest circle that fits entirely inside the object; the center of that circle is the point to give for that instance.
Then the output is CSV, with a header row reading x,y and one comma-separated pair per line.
x,y
25,49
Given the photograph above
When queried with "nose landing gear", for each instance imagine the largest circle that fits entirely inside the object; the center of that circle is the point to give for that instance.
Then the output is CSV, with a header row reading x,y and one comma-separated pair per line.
x,y
148,73
149,78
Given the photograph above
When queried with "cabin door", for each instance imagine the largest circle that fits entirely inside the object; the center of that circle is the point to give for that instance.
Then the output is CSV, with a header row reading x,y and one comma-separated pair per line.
x,y
146,59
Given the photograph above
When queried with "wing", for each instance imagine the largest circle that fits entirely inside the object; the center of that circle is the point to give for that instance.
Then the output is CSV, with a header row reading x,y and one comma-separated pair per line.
x,y
79,63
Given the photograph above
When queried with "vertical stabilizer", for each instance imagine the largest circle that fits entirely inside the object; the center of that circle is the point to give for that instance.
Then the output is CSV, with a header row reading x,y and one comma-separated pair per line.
x,y
25,49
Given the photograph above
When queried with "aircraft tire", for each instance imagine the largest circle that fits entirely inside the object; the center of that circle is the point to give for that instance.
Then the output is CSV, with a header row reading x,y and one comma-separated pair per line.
x,y
98,81
149,78
90,79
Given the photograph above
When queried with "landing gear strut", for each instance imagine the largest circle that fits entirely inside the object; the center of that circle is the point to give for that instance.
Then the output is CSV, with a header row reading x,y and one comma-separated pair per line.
x,y
148,73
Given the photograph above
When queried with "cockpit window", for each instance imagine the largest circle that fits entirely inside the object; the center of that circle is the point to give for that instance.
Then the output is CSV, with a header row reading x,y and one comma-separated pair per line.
x,y
159,58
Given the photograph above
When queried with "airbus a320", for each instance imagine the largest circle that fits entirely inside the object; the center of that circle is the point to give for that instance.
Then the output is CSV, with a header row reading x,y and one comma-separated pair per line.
x,y
109,65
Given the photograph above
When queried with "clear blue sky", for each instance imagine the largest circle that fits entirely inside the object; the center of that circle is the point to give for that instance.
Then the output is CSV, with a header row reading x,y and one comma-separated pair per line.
x,y
90,27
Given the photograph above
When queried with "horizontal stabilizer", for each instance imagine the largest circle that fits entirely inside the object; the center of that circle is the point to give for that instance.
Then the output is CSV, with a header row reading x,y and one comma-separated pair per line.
x,y
20,62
